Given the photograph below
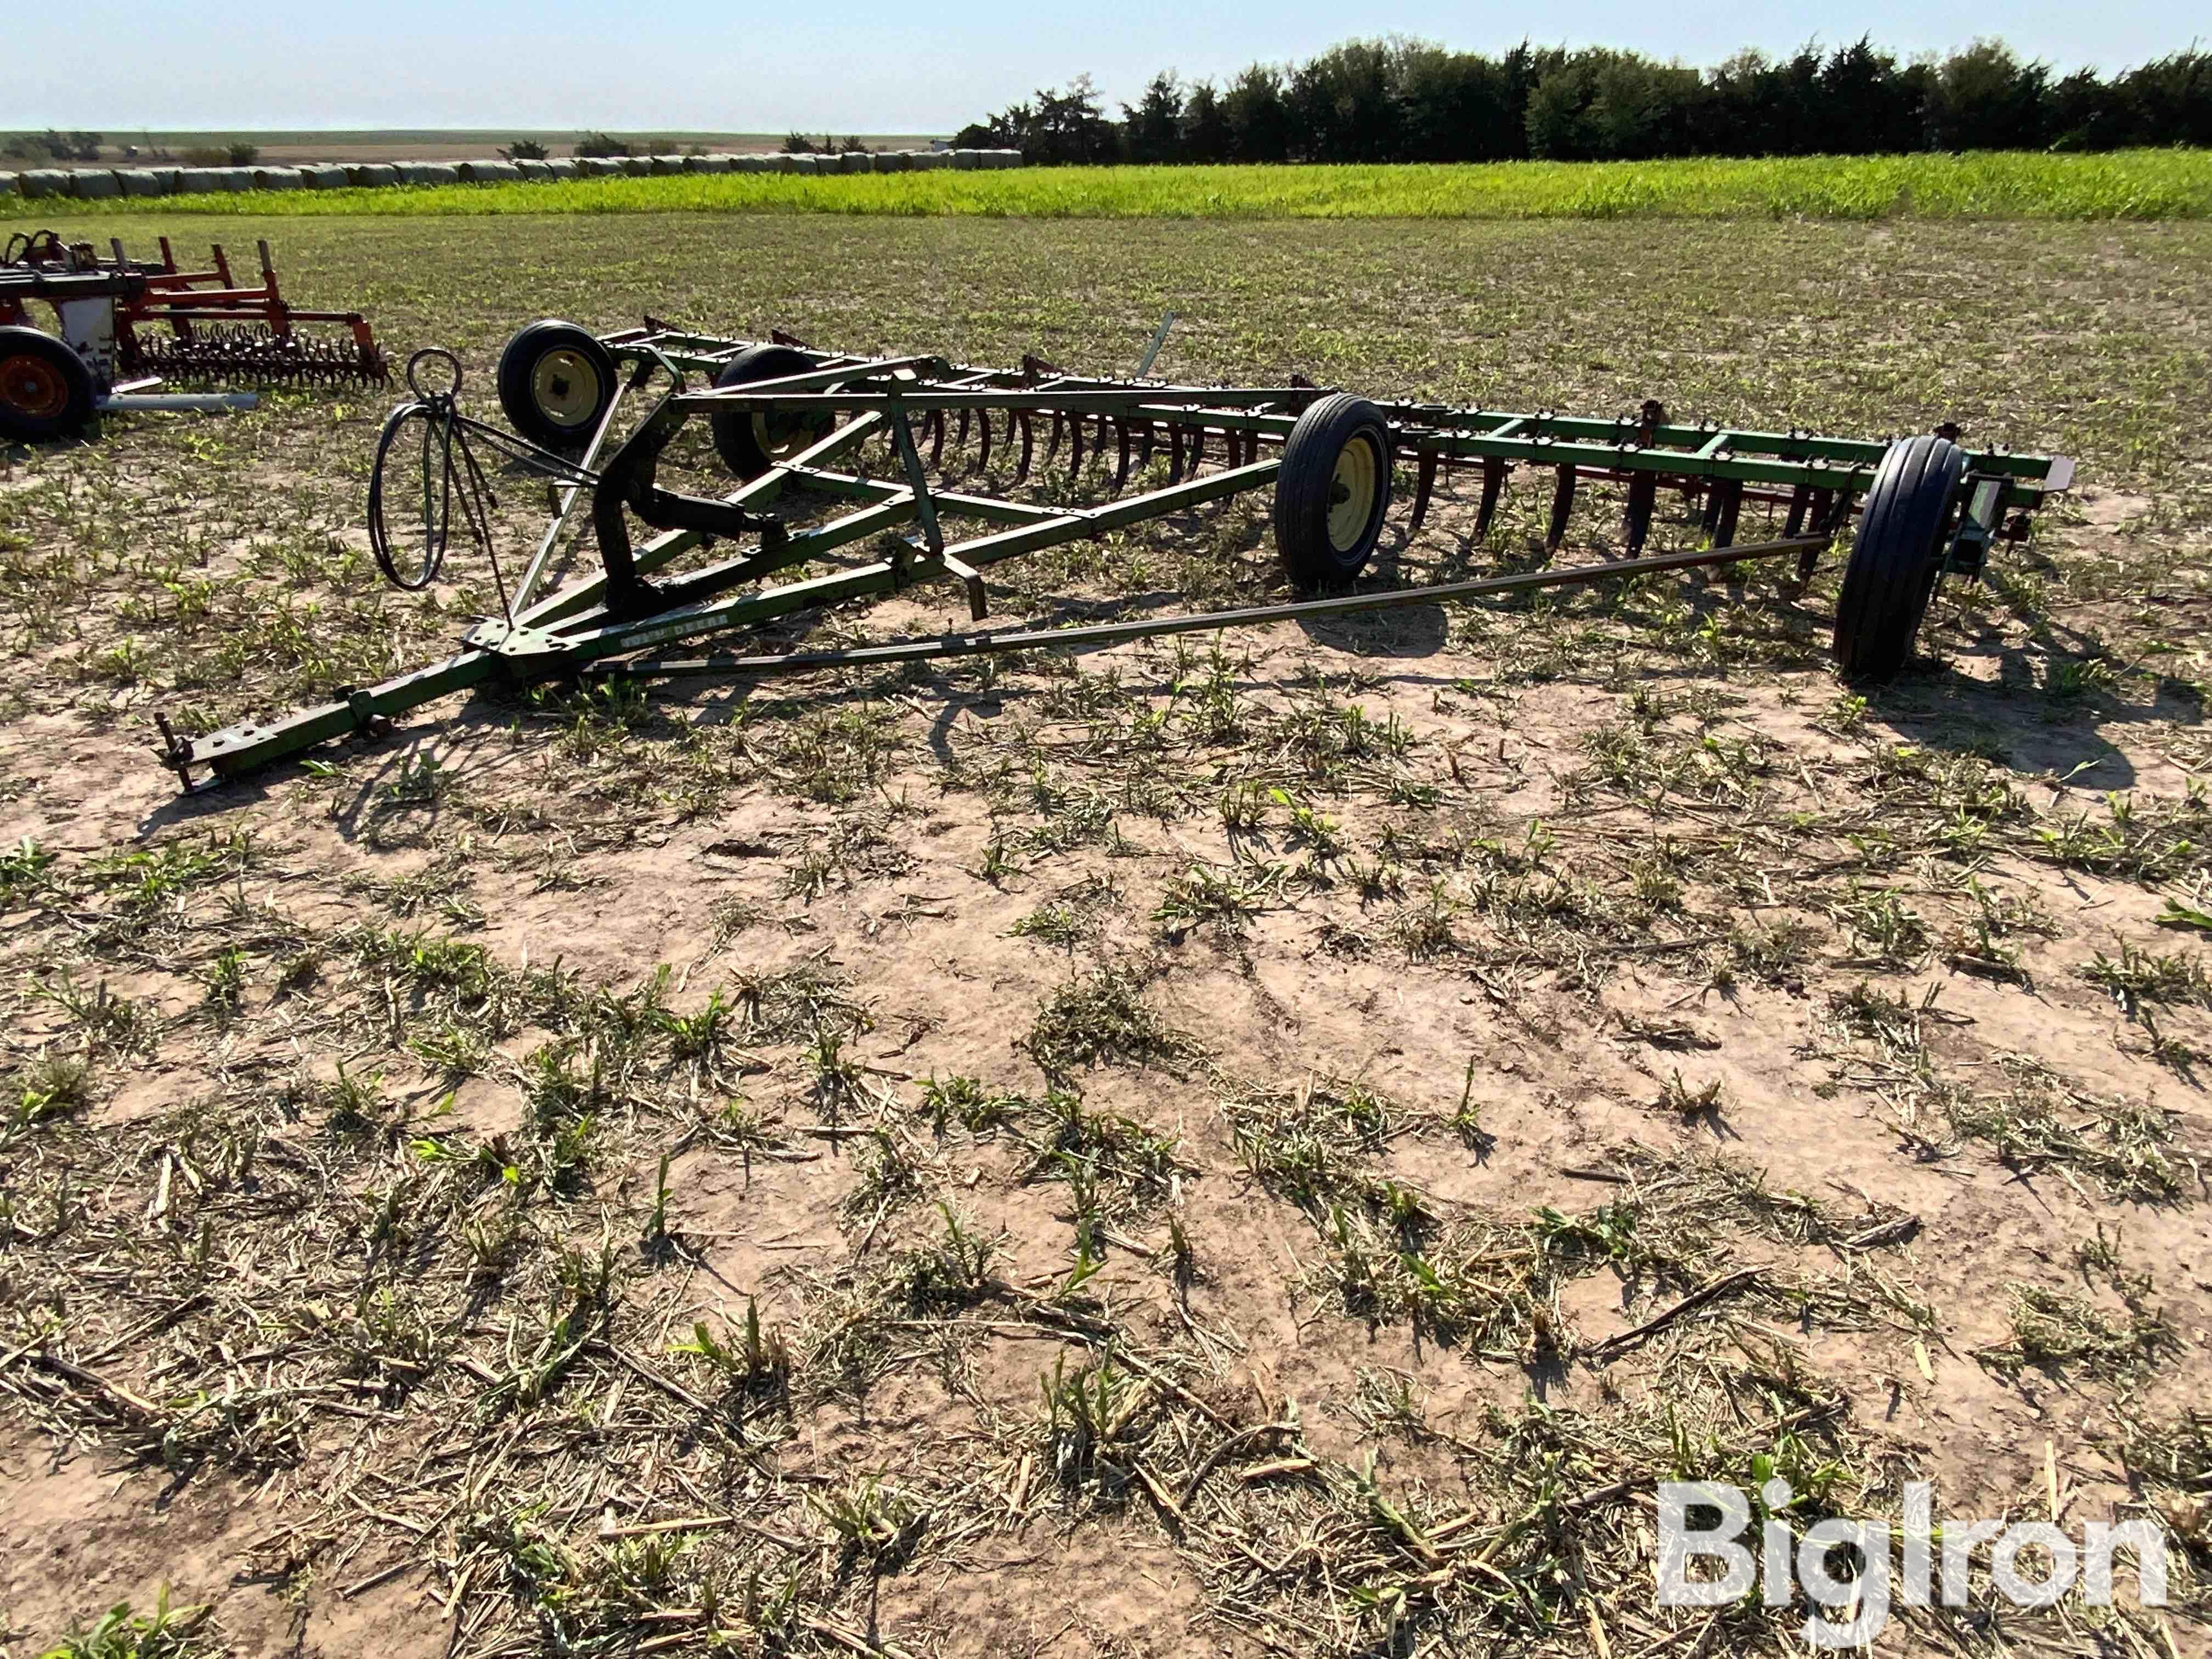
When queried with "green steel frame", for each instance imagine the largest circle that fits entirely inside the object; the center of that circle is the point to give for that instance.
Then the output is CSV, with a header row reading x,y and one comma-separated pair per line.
x,y
598,621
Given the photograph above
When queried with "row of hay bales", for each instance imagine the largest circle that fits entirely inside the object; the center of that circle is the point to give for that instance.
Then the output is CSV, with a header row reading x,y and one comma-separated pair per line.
x,y
93,184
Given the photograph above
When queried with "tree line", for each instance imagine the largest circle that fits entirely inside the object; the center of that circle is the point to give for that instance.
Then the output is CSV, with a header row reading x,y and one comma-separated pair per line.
x,y
1412,100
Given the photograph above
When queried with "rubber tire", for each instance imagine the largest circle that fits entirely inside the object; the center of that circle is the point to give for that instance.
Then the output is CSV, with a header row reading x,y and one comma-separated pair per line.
x,y
518,363
79,394
1896,556
1303,487
735,441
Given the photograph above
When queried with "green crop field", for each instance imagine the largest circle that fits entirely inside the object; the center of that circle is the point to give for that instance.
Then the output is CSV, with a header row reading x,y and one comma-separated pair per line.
x,y
2175,184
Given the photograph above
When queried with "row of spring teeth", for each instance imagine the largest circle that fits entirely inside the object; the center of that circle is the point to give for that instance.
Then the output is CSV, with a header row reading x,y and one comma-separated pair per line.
x,y
1130,443
242,351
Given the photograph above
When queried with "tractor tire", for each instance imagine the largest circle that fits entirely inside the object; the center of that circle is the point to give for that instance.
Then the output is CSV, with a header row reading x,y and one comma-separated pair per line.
x,y
1896,556
556,381
751,444
45,389
1332,491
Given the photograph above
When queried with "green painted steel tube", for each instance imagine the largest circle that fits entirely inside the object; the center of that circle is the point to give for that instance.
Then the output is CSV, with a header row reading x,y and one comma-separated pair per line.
x,y
241,748
252,743
1118,400
573,650
1101,633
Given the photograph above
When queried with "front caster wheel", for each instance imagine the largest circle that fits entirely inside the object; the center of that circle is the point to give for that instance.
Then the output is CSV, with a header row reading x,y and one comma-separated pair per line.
x,y
556,381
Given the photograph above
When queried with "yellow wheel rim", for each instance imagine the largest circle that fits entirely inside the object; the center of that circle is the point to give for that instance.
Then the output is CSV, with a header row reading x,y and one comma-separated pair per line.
x,y
565,387
786,435
1352,494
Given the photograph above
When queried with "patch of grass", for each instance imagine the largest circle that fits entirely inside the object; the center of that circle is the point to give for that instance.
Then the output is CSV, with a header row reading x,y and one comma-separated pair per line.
x,y
872,1520
167,1633
1103,1017
22,867
50,1089
1111,1165
1054,923
2060,1329
441,888
104,1023
1882,926
754,1357
832,756
2137,977
1315,1146
1774,952
955,1271
2041,1122
2139,837
1072,916
1473,1283
970,1103
1224,899
2175,1455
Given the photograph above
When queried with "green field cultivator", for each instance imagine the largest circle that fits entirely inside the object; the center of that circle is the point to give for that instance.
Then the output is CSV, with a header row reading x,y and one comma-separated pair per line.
x,y
854,465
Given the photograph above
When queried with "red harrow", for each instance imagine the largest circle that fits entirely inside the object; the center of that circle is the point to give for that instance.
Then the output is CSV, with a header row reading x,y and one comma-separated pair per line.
x,y
126,325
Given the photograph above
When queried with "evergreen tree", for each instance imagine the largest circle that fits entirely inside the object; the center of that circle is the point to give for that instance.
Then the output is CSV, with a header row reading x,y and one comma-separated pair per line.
x,y
1344,105
1257,116
1205,125
1985,98
1151,130
1866,109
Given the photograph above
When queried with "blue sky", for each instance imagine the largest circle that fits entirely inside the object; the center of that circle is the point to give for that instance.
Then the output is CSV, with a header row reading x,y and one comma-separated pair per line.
x,y
854,65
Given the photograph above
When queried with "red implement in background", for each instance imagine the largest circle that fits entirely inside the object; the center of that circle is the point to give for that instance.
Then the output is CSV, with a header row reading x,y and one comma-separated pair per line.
x,y
161,320
218,328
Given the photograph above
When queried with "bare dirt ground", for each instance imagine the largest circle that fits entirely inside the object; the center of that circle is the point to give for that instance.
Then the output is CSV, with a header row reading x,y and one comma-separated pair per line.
x,y
1266,1143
